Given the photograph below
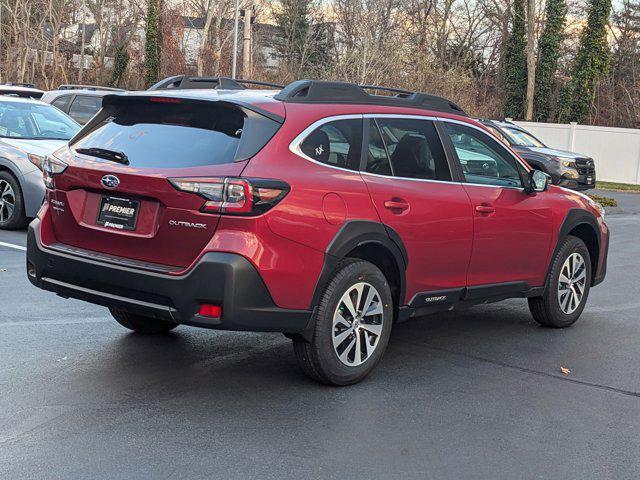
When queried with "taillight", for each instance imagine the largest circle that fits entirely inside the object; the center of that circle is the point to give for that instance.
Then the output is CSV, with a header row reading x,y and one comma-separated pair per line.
x,y
52,166
232,195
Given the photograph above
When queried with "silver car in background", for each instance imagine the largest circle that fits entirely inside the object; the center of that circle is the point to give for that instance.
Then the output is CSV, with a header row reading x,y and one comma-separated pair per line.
x,y
29,130
80,102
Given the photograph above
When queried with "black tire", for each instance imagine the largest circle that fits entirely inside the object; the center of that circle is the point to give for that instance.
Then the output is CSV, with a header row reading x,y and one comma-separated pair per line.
x,y
141,324
546,310
17,219
318,359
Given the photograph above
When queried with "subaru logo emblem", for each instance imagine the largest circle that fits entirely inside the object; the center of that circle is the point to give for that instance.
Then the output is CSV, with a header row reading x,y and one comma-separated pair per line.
x,y
110,181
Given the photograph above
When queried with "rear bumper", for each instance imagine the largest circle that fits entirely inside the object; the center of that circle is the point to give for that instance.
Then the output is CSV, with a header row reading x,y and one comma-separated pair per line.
x,y
224,279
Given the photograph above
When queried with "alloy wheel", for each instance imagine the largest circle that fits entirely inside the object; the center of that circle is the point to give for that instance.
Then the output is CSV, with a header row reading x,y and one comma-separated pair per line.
x,y
7,201
572,283
357,324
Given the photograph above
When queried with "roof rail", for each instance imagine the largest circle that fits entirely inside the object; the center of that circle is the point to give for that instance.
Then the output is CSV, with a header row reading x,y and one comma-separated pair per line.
x,y
184,81
262,84
220,83
89,87
317,91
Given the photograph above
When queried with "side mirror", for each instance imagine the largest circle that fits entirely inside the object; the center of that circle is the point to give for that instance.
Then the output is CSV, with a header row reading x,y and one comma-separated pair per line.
x,y
538,181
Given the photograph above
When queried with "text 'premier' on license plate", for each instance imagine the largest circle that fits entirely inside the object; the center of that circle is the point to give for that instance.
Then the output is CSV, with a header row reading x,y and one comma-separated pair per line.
x,y
118,213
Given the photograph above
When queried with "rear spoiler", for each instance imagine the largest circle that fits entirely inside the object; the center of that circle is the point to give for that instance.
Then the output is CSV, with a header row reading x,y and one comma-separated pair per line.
x,y
118,100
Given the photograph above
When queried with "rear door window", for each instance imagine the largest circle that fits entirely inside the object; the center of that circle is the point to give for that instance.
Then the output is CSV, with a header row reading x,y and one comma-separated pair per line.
x,y
413,147
377,155
84,107
177,135
62,102
337,143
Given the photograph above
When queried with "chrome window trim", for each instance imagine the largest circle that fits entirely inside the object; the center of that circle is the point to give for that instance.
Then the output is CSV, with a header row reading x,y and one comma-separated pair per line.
x,y
448,182
294,146
399,115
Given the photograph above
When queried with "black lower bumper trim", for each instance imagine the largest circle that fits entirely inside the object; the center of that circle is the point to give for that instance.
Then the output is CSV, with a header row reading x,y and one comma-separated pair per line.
x,y
579,183
224,279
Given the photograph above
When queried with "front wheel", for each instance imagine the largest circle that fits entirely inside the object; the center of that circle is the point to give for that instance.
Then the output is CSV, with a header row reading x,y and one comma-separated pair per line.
x,y
567,287
141,324
352,325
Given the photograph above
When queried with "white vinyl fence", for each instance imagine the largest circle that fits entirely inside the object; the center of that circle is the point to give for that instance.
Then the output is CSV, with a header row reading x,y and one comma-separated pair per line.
x,y
616,151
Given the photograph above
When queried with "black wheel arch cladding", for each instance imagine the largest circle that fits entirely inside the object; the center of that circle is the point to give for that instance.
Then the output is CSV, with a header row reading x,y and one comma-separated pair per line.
x,y
578,218
359,233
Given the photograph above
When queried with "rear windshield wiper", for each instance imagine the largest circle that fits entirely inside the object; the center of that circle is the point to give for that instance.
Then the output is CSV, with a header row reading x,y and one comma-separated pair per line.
x,y
112,155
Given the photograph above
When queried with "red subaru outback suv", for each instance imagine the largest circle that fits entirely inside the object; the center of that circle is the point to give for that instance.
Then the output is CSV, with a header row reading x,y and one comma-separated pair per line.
x,y
320,211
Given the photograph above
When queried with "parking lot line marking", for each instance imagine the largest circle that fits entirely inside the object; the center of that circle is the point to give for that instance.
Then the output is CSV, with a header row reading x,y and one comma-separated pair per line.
x,y
11,245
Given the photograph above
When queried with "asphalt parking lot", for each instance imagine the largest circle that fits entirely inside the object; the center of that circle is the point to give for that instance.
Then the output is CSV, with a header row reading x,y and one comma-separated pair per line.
x,y
472,395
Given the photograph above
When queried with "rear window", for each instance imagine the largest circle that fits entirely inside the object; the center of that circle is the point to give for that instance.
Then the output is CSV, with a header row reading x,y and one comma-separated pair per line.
x,y
178,135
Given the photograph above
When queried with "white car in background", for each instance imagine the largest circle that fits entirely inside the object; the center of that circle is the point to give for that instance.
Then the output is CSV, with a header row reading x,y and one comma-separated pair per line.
x,y
29,130
25,90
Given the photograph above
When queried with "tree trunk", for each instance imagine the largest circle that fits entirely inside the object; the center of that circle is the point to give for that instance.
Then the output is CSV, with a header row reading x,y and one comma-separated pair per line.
x,y
531,57
246,43
205,38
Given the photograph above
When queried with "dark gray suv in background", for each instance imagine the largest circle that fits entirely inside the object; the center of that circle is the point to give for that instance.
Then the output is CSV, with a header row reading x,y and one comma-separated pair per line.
x,y
567,169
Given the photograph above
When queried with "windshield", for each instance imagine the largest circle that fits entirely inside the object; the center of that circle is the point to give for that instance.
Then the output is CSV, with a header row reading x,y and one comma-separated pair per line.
x,y
524,139
498,134
33,121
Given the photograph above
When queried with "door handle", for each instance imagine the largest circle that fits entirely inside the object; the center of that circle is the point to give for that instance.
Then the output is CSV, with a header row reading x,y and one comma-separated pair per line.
x,y
396,204
485,209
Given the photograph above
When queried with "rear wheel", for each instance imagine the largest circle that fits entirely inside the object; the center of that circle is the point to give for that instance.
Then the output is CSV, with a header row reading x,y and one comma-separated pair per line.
x,y
352,325
141,324
567,287
12,215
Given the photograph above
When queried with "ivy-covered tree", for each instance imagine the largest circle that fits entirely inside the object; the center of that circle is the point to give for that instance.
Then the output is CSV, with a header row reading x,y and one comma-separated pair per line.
x,y
591,63
625,71
153,43
515,64
548,55
120,63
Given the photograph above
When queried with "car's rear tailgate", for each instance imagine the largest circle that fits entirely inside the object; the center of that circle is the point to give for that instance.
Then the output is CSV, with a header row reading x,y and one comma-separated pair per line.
x,y
115,195
169,228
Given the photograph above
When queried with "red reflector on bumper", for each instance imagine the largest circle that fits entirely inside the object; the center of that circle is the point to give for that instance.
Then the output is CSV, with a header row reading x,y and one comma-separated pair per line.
x,y
214,311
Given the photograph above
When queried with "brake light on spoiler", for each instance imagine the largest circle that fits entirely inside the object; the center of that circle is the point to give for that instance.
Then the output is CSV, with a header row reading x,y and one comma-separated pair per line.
x,y
234,195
